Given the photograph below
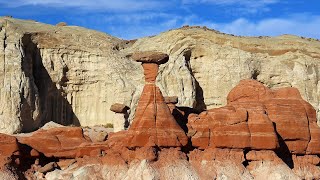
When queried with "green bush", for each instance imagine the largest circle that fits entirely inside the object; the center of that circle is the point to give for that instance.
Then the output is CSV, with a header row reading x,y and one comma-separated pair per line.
x,y
108,125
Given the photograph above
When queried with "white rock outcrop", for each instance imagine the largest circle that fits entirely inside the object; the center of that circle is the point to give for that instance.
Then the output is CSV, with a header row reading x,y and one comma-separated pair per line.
x,y
72,75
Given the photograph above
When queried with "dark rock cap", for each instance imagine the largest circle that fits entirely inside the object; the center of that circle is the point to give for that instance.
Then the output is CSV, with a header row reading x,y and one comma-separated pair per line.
x,y
150,57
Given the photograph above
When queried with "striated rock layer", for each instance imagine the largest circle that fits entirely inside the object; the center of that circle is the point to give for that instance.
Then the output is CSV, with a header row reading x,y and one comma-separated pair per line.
x,y
71,75
257,118
153,124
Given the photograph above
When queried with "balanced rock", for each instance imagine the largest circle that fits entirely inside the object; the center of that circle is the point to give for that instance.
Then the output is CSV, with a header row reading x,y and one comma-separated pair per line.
x,y
153,124
171,99
119,108
171,102
120,116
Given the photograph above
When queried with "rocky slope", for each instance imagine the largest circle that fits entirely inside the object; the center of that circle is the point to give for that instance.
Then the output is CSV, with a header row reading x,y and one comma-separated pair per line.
x,y
72,75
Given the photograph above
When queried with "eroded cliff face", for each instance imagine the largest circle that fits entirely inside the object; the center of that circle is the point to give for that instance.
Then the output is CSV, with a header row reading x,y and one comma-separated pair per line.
x,y
204,65
47,75
72,75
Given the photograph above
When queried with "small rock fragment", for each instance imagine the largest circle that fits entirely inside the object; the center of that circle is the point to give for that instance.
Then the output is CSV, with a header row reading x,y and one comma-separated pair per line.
x,y
61,24
171,99
48,167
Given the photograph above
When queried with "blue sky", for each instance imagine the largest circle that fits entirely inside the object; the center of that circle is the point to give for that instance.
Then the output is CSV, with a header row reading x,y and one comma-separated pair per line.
x,y
129,19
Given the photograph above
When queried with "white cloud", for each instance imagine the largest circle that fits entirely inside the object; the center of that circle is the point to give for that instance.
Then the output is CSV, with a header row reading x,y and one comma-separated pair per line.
x,y
117,5
248,3
300,25
129,22
244,6
130,25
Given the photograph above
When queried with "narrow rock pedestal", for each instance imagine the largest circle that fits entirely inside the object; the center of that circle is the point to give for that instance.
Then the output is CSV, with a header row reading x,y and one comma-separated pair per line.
x,y
153,124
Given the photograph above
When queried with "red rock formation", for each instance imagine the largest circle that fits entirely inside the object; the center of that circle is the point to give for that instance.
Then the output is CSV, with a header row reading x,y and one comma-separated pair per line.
x,y
294,118
263,155
237,127
211,162
8,145
156,139
153,124
247,121
306,166
66,142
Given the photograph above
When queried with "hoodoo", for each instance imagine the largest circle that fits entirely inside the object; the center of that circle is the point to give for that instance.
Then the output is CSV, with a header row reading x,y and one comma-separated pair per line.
x,y
153,124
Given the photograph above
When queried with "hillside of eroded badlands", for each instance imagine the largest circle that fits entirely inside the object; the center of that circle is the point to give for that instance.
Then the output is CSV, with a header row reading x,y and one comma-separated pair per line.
x,y
190,103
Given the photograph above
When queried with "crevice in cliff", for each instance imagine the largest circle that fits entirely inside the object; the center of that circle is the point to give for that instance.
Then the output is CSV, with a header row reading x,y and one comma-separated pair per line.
x,y
4,52
29,91
246,162
255,74
200,104
43,92
25,165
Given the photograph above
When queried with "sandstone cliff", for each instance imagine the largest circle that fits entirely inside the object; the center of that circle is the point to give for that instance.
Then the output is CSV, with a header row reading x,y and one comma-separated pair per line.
x,y
73,75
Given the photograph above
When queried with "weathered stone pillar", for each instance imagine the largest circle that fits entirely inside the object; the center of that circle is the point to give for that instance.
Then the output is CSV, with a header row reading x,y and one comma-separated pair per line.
x,y
153,124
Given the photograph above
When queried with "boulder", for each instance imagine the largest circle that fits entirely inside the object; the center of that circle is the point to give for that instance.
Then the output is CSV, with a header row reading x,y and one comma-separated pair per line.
x,y
119,108
171,99
61,24
65,142
97,133
171,102
48,167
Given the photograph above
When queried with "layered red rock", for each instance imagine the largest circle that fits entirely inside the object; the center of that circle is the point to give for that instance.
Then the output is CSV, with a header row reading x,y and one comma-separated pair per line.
x,y
237,127
294,118
153,124
8,145
247,121
64,142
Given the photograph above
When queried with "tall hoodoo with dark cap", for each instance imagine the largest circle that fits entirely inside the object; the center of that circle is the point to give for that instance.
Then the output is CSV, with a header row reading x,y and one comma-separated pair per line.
x,y
154,124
